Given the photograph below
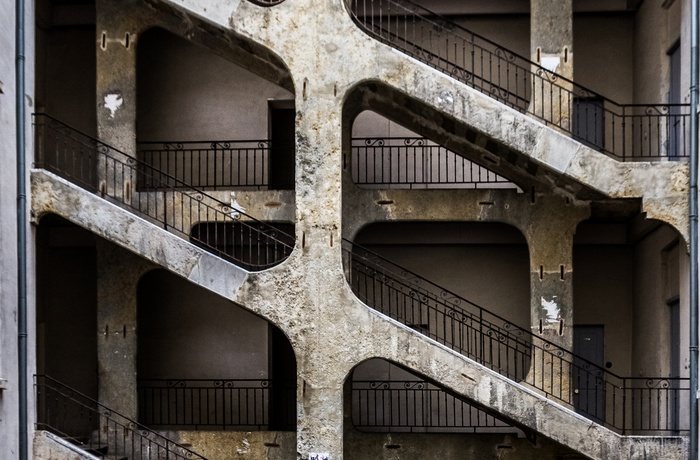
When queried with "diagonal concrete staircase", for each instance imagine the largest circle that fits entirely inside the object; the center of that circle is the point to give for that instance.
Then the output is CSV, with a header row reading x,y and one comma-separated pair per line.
x,y
104,212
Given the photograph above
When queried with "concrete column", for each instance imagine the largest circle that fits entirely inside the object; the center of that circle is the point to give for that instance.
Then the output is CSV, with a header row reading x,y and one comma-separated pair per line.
x,y
550,235
318,224
551,46
116,93
118,273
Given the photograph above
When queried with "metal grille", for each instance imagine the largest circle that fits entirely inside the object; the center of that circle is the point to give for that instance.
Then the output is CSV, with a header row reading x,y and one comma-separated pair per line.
x,y
160,198
627,405
416,161
623,131
96,428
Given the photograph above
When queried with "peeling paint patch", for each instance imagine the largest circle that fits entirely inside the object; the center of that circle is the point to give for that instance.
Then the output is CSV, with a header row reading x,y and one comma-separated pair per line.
x,y
551,62
551,309
112,103
245,448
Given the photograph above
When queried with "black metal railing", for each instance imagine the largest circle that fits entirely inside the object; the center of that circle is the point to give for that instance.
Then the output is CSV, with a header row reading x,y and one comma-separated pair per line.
x,y
158,197
228,404
627,405
415,406
209,164
414,161
96,428
623,131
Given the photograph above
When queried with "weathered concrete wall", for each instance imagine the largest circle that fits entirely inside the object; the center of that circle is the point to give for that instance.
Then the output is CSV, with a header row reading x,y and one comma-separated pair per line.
x,y
406,446
118,273
307,296
324,358
253,445
47,446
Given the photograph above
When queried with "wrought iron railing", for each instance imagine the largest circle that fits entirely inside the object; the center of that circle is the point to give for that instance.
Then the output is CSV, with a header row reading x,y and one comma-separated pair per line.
x,y
414,161
627,405
158,197
96,428
209,164
415,406
623,131
228,404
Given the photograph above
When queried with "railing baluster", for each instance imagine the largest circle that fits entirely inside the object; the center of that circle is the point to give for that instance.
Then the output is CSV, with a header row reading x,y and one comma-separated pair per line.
x,y
497,72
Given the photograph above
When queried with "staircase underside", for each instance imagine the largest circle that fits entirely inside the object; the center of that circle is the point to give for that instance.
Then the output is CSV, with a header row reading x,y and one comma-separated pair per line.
x,y
371,331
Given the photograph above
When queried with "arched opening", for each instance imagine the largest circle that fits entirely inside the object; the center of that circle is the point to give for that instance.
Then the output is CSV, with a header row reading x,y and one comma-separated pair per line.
x,y
205,364
385,154
392,410
631,298
463,284
208,122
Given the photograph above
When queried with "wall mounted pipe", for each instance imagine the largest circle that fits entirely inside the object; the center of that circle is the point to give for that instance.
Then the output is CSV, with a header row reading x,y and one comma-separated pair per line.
x,y
21,231
693,217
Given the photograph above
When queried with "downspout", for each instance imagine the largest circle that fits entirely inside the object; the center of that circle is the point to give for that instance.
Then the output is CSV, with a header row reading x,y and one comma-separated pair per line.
x,y
693,216
21,232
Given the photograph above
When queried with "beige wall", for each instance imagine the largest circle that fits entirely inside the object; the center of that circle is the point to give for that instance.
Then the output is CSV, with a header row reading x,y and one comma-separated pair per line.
x,y
656,29
186,92
603,58
179,323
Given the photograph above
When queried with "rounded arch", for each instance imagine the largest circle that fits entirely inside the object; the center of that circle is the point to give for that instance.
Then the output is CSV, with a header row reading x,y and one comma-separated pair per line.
x,y
484,262
207,347
220,116
631,283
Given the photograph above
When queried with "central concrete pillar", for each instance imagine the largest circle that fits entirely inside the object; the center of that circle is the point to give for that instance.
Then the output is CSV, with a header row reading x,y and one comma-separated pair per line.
x,y
550,235
551,46
116,95
118,273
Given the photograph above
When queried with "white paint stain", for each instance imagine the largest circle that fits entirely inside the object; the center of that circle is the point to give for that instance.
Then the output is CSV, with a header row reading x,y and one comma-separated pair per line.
x,y
552,310
236,209
551,62
243,449
445,98
112,103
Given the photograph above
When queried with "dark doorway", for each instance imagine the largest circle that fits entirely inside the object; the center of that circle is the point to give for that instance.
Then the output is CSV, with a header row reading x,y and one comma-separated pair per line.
x,y
588,126
283,374
281,127
587,374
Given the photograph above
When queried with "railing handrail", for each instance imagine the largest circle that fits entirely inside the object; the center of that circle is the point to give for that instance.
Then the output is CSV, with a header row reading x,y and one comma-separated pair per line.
x,y
453,25
181,183
105,413
166,183
527,87
227,380
546,343
208,141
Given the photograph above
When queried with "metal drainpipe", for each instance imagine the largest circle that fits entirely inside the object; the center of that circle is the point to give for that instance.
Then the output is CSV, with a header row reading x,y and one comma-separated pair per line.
x,y
693,216
21,232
